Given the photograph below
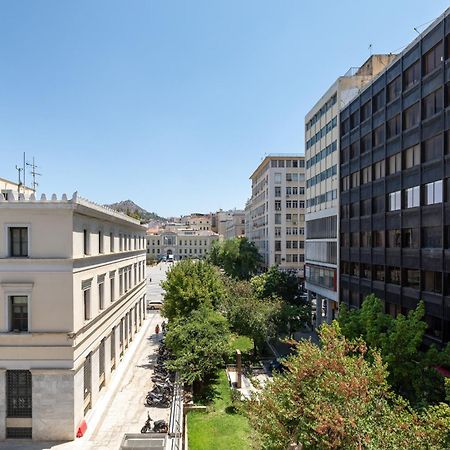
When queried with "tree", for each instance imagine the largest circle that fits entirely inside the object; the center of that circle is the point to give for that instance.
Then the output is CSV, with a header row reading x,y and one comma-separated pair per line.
x,y
238,257
248,315
190,285
399,341
335,397
199,344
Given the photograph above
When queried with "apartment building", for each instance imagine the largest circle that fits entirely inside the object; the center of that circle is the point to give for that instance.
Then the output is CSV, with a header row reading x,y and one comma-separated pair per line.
x,y
8,187
275,211
199,222
235,226
395,185
72,296
181,243
322,185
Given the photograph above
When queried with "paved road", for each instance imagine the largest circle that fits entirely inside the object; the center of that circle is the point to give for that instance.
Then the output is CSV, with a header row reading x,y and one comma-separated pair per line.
x,y
124,411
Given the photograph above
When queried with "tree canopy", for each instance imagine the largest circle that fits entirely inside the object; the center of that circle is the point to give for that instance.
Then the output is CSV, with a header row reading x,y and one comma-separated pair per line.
x,y
333,396
238,257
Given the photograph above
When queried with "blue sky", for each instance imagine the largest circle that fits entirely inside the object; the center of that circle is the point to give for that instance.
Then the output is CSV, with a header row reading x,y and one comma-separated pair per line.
x,y
173,103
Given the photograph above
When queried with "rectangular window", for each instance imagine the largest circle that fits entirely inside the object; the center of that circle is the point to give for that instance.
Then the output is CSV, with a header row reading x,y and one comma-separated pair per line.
x,y
112,289
365,143
366,173
378,238
111,242
412,156
431,237
393,126
345,183
366,239
278,219
19,313
100,242
366,207
394,89
379,170
278,231
278,246
278,191
394,238
378,204
86,242
411,76
433,104
432,282
365,111
433,58
395,163
18,241
412,278
411,237
395,201
378,136
433,192
378,273
18,393
101,296
277,178
277,205
378,101
355,179
412,197
393,275
433,148
87,304
411,116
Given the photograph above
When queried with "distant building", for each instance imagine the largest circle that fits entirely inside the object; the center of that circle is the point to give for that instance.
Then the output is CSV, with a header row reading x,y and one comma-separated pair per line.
x,y
180,243
72,297
235,226
276,211
8,187
322,131
199,222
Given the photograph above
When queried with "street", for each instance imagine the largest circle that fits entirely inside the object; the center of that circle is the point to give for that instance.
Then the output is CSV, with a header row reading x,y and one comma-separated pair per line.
x,y
122,409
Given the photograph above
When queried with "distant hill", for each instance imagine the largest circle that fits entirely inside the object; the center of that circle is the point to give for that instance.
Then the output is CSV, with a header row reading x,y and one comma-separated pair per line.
x,y
133,210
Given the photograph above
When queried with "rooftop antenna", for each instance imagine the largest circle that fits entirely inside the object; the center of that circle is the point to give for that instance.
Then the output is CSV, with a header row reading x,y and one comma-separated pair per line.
x,y
370,49
34,173
417,31
19,170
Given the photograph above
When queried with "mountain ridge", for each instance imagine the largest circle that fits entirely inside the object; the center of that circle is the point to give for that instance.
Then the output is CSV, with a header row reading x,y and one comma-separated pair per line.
x,y
133,210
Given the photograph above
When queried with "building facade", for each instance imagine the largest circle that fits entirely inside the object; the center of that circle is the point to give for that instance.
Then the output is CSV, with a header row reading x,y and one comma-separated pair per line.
x,y
322,185
181,243
8,188
275,211
235,226
72,296
395,187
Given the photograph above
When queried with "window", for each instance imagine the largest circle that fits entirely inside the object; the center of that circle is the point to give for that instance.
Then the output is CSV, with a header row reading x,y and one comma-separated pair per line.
x,y
411,75
431,237
365,271
111,242
432,59
354,269
87,304
395,163
394,201
345,240
378,204
277,205
378,101
378,238
354,150
366,207
433,103
378,273
393,126
354,120
433,193
277,178
432,148
379,170
85,242
278,219
432,282
394,89
412,278
278,231
345,211
112,287
411,237
411,116
19,313
355,179
365,111
366,239
366,173
412,197
412,156
18,241
365,143
354,239
393,275
18,393
101,295
278,191
345,183
278,246
394,238
100,242
378,136
354,209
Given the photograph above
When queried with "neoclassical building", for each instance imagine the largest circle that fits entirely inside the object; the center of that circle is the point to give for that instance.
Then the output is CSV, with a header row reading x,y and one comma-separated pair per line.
x,y
72,297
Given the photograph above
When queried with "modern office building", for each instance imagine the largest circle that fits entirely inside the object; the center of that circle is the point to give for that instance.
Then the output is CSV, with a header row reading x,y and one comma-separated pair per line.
x,y
322,184
275,211
181,243
395,186
72,296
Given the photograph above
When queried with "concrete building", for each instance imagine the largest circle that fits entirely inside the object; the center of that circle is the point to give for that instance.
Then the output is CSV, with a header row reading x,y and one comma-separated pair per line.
x,y
275,211
182,243
72,296
235,226
395,185
8,187
322,184
198,222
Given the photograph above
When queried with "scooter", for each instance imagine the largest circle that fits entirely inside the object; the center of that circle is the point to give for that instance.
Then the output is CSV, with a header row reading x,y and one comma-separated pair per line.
x,y
159,426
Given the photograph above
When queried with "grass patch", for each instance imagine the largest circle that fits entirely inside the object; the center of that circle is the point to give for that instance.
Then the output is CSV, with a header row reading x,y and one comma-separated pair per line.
x,y
221,428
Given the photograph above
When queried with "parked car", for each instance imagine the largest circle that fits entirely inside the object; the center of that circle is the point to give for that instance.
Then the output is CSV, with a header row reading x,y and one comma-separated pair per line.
x,y
154,304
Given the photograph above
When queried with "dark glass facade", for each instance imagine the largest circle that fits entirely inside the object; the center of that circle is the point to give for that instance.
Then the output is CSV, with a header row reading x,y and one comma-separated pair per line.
x,y
395,190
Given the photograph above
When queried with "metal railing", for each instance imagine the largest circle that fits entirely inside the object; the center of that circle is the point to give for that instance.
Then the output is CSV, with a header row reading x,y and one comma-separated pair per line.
x,y
175,435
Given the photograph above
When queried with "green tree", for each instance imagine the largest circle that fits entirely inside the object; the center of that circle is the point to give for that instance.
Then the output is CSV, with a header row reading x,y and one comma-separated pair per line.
x,y
333,396
190,285
238,257
399,340
248,315
199,344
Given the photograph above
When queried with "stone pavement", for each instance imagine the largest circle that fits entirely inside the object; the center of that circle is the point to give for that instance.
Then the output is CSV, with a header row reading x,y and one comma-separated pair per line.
x,y
124,411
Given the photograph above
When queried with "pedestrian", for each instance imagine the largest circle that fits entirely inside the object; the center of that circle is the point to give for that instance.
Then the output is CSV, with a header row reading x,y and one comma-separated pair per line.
x,y
157,329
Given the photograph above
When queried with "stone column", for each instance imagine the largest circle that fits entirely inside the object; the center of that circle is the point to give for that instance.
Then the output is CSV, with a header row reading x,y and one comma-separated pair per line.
x,y
53,404
107,359
2,404
95,366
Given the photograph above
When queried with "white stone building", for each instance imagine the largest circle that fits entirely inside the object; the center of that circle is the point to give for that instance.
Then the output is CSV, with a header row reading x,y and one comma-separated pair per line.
x,y
182,243
8,188
72,296
235,226
276,211
322,135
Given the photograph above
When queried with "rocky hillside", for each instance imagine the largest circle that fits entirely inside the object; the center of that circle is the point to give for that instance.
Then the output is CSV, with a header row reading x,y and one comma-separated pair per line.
x,y
133,210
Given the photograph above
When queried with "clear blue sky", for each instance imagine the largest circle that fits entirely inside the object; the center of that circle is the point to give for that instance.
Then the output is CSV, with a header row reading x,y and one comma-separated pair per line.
x,y
174,103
